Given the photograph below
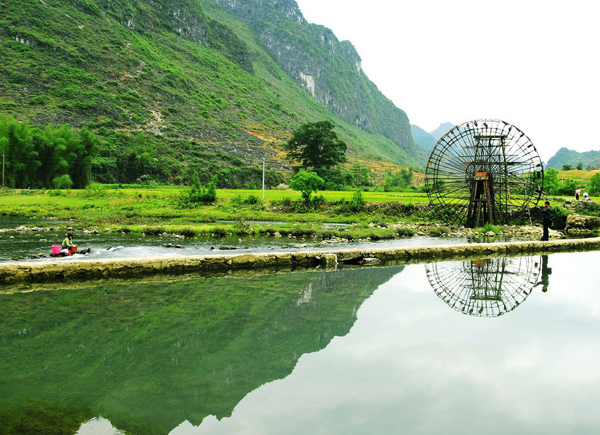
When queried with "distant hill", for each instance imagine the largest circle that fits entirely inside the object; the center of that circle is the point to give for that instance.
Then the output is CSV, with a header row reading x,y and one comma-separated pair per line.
x,y
442,130
422,138
565,156
428,140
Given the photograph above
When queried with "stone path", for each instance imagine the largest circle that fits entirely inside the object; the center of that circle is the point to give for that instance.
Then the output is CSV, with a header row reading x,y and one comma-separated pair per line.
x,y
89,269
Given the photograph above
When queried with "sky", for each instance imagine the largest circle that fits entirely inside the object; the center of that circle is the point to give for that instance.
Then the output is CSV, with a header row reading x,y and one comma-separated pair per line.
x,y
532,63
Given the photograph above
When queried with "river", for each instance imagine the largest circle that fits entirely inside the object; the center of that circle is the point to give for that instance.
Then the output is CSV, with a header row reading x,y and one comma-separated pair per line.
x,y
503,345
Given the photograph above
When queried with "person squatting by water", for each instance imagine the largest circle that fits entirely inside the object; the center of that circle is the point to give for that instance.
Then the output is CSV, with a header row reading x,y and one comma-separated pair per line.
x,y
67,245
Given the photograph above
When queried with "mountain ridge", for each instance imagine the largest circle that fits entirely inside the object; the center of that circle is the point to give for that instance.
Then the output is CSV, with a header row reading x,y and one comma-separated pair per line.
x,y
298,51
428,140
565,156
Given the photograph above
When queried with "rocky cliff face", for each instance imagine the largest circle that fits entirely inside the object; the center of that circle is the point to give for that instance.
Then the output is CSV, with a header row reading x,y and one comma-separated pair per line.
x,y
328,69
185,18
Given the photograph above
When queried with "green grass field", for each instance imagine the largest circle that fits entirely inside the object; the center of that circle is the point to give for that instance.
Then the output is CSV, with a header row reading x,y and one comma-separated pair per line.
x,y
581,177
329,195
139,209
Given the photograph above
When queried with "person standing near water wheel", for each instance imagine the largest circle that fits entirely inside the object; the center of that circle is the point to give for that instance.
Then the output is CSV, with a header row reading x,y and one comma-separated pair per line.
x,y
546,221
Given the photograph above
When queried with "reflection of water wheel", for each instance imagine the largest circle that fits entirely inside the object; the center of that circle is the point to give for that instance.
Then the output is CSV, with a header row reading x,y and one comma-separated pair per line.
x,y
482,172
484,288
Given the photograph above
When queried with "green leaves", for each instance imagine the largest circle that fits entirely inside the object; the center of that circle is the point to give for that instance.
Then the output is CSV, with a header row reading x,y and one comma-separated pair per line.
x,y
316,145
46,158
306,183
594,185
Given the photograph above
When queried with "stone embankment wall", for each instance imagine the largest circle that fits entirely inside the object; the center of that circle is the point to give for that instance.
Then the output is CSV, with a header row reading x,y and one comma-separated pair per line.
x,y
71,269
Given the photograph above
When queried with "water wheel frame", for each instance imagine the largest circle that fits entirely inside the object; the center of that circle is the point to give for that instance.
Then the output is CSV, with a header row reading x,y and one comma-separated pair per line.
x,y
485,288
483,171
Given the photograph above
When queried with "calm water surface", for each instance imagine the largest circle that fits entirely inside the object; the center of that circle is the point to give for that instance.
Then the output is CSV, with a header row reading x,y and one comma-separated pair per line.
x,y
502,346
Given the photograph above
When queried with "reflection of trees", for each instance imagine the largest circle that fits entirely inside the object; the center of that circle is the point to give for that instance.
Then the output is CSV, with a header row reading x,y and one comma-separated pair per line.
x,y
484,288
150,356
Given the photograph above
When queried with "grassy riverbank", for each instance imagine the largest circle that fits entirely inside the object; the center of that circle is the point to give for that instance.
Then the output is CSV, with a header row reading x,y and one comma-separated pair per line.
x,y
239,212
153,211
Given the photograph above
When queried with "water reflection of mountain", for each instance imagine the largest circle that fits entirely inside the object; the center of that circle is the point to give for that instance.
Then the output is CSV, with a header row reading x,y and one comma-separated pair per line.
x,y
148,357
485,288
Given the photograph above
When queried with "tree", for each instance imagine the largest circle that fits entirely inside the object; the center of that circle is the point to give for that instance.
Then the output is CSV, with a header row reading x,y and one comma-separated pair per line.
x,y
566,167
399,180
316,146
594,185
361,175
86,148
136,159
357,202
580,166
551,182
198,194
408,176
42,158
567,187
306,183
63,182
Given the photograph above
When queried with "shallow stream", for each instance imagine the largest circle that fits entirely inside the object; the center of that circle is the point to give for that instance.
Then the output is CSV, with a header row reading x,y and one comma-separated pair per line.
x,y
16,245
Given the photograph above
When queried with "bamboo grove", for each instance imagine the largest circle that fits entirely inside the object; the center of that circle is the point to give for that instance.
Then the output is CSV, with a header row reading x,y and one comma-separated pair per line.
x,y
55,157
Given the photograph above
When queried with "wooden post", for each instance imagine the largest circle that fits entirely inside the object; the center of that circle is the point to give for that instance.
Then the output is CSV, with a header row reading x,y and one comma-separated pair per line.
x,y
482,207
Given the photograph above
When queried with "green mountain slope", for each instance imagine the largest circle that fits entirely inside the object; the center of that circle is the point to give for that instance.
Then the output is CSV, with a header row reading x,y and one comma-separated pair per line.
x,y
442,129
424,139
193,79
428,141
565,156
326,68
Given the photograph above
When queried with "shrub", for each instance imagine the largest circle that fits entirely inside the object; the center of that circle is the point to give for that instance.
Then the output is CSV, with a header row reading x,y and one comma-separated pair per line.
x,y
438,231
62,182
489,227
357,202
306,183
405,232
252,200
559,217
198,194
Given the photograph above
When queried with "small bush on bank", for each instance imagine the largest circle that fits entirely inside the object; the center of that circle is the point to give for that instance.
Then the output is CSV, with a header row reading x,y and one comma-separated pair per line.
x,y
198,194
438,231
287,205
559,217
357,202
487,228
306,183
405,232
